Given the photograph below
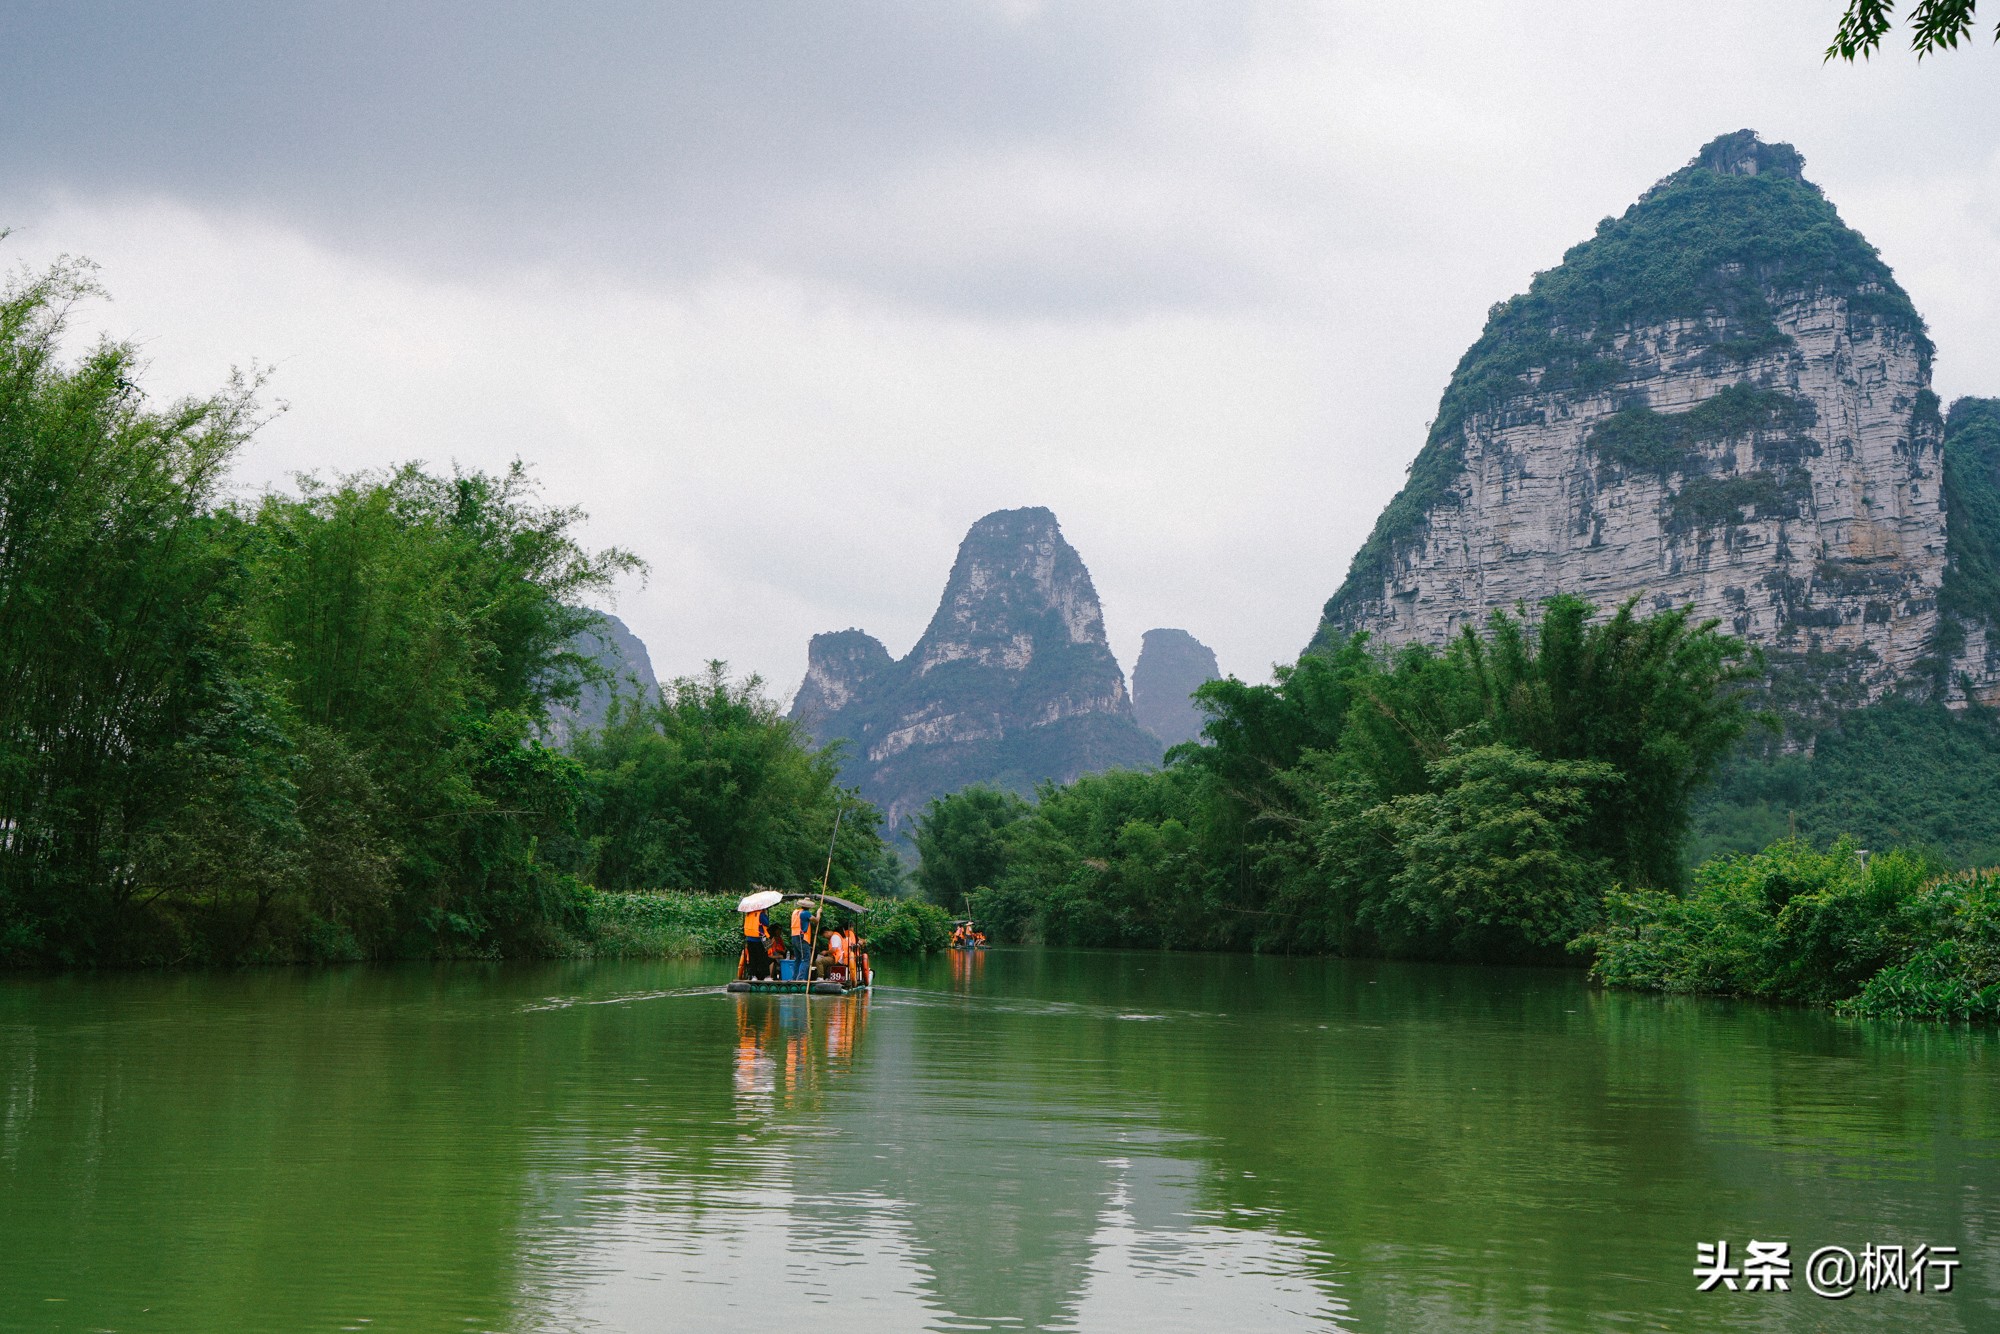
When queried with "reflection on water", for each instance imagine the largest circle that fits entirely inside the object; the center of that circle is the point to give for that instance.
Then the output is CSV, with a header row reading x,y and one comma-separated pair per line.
x,y
1021,1141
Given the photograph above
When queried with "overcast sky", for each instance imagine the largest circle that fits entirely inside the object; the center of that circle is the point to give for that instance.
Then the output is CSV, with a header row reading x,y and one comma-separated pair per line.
x,y
787,295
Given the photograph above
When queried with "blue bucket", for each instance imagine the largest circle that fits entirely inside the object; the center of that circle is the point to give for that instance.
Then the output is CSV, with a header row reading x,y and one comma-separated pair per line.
x,y
788,970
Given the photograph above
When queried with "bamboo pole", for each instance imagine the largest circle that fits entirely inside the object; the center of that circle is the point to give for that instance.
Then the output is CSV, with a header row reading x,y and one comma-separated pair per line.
x,y
817,932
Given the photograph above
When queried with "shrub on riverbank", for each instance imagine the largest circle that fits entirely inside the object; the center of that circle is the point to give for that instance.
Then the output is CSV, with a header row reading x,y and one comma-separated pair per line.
x,y
708,785
906,926
1893,935
661,925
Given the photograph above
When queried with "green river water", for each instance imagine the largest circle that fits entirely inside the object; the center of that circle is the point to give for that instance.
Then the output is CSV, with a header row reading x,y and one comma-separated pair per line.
x,y
1025,1140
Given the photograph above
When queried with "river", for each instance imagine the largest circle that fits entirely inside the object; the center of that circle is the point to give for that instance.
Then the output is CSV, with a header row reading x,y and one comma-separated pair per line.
x,y
1024,1140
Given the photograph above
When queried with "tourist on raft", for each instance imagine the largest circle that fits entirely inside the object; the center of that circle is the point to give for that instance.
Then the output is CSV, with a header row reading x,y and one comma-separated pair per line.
x,y
802,933
758,940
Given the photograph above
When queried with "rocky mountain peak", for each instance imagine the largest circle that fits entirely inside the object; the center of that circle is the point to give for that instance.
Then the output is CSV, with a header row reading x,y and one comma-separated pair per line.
x,y
1016,585
839,665
1172,665
1744,154
1013,682
1722,398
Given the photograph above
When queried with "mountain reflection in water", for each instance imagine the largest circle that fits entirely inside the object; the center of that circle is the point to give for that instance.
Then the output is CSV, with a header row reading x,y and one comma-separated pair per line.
x,y
1024,1140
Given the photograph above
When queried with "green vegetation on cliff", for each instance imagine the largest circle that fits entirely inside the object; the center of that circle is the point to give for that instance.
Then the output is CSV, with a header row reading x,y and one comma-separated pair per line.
x,y
1901,773
1718,244
1639,439
1972,515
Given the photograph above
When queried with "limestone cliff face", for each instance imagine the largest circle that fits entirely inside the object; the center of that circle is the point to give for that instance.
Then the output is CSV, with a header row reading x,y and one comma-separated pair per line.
x,y
1969,602
1722,399
1012,683
840,666
1172,665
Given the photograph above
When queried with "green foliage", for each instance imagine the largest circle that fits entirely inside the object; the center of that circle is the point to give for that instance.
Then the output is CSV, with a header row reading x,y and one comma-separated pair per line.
x,y
1955,974
311,727
1788,923
425,621
1709,244
661,925
708,787
1490,860
1935,25
1719,502
906,926
120,672
1470,803
1972,511
1898,773
1639,439
959,842
1888,936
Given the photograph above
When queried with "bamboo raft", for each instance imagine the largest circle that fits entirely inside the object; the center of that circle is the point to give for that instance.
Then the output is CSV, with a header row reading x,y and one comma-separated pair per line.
x,y
818,987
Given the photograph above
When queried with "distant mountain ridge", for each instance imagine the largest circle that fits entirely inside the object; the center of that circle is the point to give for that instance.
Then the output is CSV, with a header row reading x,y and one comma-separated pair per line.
x,y
1012,683
1172,665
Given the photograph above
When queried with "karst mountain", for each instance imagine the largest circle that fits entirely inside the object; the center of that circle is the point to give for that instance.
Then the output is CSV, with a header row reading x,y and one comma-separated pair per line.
x,y
1722,398
1012,683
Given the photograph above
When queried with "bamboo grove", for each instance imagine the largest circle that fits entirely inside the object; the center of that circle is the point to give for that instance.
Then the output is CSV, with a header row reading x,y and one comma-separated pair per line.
x,y
309,725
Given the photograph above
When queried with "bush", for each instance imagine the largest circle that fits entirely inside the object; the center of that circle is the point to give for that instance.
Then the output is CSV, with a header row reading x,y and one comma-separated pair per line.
x,y
1789,923
661,925
907,926
1891,937
1956,975
1007,913
1489,865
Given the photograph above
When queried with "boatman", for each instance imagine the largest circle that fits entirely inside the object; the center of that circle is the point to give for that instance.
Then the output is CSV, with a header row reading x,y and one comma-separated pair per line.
x,y
802,924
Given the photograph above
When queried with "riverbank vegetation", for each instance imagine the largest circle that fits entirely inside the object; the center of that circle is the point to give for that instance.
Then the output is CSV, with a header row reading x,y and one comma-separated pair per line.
x,y
664,924
1470,803
310,726
708,785
1894,934
1526,795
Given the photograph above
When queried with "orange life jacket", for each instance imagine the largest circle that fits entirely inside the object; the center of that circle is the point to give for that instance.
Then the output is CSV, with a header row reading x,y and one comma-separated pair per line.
x,y
836,944
753,925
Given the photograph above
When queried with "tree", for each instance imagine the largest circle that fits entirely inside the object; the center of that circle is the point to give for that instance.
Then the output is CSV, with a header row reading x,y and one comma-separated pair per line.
x,y
1935,25
421,623
709,787
1490,862
117,659
961,842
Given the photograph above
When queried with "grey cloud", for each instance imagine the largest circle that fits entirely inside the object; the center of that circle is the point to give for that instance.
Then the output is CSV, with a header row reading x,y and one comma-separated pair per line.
x,y
670,139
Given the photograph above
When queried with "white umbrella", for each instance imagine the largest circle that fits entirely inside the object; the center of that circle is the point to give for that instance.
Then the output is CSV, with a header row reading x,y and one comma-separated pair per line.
x,y
759,901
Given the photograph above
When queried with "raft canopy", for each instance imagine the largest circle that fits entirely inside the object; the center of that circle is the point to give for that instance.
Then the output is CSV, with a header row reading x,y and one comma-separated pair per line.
x,y
834,899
